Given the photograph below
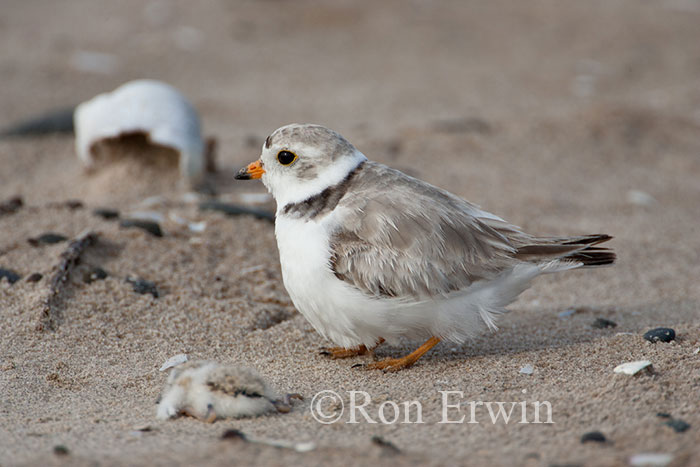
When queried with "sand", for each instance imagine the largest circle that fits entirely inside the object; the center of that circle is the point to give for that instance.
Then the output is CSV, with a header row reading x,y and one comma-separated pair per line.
x,y
551,114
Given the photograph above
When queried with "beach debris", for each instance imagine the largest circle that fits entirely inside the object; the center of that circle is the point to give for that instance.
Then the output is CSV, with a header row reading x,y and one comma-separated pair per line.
x,y
640,198
660,334
527,369
208,391
602,323
173,361
106,213
55,121
11,205
151,227
142,286
95,273
48,238
35,277
632,368
48,315
152,109
651,459
10,275
73,204
678,425
696,351
197,227
236,210
234,434
567,313
60,450
593,436
387,446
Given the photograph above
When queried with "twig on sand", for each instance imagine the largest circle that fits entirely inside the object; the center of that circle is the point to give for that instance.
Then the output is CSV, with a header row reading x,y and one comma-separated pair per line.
x,y
48,315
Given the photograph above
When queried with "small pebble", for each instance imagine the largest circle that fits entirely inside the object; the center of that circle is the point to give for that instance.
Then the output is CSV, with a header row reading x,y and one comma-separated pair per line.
x,y
234,434
149,226
11,205
35,277
660,334
60,450
387,446
48,238
679,426
602,323
106,213
567,313
236,210
632,368
527,369
10,275
143,286
94,274
595,436
663,415
74,204
653,459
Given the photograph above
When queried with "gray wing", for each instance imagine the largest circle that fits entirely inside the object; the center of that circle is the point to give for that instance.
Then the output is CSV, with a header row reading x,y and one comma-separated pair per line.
x,y
403,238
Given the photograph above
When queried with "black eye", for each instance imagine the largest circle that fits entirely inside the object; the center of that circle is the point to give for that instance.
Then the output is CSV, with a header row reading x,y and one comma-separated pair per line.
x,y
286,157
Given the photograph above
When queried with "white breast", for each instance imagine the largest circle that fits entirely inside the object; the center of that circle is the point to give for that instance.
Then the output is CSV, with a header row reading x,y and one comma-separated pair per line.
x,y
336,310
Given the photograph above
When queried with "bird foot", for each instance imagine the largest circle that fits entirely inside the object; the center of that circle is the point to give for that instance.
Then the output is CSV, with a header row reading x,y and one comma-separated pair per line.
x,y
391,365
284,405
335,353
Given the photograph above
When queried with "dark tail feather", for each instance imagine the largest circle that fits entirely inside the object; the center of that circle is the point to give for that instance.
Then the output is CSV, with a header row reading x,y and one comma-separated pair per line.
x,y
576,249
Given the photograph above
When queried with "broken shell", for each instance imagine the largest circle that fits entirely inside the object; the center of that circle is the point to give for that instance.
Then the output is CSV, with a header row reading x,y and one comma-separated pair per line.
x,y
175,360
632,368
151,108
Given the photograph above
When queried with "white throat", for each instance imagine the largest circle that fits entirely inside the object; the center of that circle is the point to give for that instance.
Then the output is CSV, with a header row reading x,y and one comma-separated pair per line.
x,y
290,189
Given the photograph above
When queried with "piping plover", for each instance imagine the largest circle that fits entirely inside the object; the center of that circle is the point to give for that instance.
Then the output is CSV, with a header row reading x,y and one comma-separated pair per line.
x,y
209,391
369,253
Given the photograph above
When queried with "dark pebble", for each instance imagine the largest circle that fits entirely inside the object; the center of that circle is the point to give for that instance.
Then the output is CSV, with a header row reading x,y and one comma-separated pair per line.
x,y
660,334
236,210
388,446
143,286
11,205
594,436
74,204
10,275
94,274
679,426
60,450
48,238
35,277
106,213
234,434
149,226
663,415
602,323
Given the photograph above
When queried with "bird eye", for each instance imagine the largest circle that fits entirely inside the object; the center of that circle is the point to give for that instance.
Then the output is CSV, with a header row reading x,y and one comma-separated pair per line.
x,y
286,157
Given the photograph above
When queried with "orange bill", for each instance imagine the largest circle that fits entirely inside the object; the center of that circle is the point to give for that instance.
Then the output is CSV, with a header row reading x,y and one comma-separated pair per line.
x,y
252,171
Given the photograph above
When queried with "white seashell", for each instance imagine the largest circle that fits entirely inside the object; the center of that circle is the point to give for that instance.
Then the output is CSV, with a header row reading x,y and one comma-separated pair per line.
x,y
527,369
153,216
143,106
651,459
175,360
197,227
632,368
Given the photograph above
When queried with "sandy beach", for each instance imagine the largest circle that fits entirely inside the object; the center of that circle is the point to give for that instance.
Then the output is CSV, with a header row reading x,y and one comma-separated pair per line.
x,y
564,118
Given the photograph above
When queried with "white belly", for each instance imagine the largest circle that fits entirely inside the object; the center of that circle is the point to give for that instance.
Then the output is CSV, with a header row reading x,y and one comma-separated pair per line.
x,y
347,317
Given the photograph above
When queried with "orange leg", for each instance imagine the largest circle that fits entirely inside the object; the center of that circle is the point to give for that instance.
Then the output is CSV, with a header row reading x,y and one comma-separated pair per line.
x,y
396,364
340,352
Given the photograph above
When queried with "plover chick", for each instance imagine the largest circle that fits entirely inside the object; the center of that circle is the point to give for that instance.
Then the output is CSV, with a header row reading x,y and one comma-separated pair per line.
x,y
369,253
209,391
